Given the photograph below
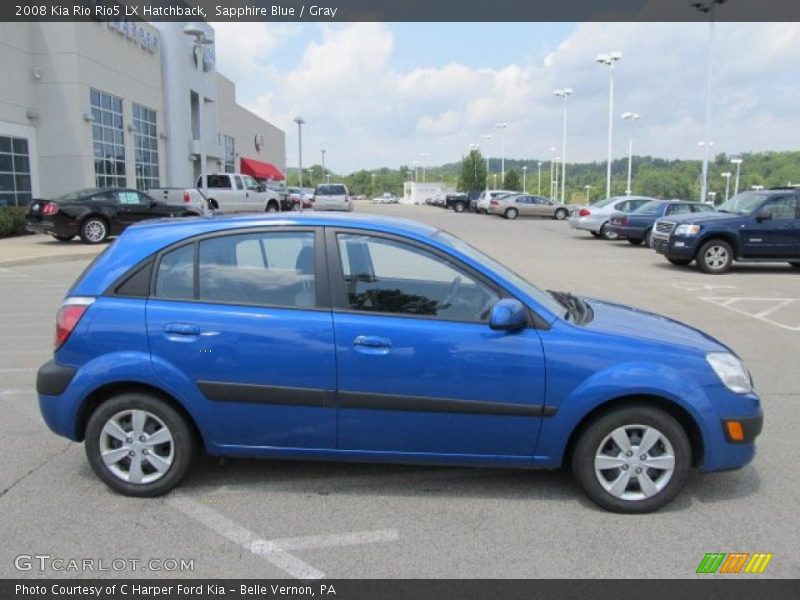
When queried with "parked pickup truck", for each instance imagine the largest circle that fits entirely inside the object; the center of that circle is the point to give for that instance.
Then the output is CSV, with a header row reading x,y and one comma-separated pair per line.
x,y
750,227
226,193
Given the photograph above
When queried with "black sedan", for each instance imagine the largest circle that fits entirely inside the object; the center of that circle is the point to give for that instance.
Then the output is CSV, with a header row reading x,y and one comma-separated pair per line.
x,y
637,226
96,213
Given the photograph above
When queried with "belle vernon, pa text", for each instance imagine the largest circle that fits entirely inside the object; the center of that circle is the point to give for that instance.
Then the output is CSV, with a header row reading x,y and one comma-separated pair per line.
x,y
167,591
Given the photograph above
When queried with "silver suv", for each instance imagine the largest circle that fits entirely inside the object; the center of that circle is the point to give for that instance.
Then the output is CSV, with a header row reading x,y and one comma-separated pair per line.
x,y
332,196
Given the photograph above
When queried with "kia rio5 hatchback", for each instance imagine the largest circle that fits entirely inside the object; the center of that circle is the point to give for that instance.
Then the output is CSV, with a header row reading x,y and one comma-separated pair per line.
x,y
369,339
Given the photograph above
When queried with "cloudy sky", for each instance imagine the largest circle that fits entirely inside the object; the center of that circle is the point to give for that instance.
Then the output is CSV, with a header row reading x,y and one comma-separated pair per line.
x,y
381,94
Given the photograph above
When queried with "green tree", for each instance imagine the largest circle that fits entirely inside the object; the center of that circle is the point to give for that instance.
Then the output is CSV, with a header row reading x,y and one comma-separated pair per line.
x,y
512,181
473,172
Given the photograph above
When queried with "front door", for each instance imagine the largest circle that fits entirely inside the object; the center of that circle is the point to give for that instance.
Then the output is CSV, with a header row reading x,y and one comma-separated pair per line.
x,y
419,369
248,333
777,236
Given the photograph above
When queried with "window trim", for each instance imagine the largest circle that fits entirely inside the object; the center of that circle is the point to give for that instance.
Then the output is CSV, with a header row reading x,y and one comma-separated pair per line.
x,y
340,305
321,282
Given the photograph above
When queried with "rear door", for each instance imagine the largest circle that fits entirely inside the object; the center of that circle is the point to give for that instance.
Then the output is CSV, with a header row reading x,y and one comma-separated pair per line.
x,y
419,369
241,323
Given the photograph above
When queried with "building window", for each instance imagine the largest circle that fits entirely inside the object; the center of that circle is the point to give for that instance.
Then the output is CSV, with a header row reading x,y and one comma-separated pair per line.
x,y
230,154
109,140
15,172
145,144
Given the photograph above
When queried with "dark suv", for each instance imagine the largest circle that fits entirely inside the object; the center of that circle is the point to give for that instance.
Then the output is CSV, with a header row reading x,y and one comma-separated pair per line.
x,y
461,201
752,226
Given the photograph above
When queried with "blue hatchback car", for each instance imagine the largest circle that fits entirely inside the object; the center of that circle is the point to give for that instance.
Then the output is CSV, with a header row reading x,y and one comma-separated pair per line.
x,y
371,339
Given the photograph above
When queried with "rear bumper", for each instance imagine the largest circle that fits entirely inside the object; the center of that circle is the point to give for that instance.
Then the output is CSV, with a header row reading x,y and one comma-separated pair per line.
x,y
587,223
50,227
628,233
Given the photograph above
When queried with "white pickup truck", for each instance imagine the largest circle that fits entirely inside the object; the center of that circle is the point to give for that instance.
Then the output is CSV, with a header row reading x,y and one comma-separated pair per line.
x,y
225,193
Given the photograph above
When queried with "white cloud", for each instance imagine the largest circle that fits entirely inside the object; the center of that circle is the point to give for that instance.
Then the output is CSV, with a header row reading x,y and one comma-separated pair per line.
x,y
366,114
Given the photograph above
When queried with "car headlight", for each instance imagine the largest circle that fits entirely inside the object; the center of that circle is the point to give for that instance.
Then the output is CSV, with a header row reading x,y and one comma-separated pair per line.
x,y
687,230
731,372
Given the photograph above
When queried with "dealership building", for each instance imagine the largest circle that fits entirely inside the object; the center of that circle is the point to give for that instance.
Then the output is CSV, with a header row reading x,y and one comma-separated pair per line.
x,y
110,103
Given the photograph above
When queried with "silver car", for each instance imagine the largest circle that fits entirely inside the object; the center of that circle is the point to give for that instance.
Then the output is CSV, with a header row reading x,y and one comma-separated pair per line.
x,y
332,196
486,197
517,205
595,218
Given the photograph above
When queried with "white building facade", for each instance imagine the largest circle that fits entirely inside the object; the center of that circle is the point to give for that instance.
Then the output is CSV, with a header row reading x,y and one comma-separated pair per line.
x,y
135,105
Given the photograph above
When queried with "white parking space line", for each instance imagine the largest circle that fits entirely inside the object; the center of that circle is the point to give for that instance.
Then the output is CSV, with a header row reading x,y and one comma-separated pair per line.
x,y
15,392
18,370
759,308
694,286
276,551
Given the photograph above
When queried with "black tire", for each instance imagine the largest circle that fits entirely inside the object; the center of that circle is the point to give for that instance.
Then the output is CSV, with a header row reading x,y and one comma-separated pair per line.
x,y
796,265
588,445
272,207
561,214
63,238
635,241
459,207
595,234
715,256
94,230
511,213
182,445
679,262
607,234
648,237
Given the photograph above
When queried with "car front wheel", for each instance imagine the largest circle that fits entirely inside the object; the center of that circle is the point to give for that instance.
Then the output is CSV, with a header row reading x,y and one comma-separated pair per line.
x,y
715,257
632,460
561,214
94,230
459,207
607,234
138,445
796,265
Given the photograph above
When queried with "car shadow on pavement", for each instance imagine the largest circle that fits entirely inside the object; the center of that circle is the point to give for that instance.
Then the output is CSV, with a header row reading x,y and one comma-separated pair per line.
x,y
752,269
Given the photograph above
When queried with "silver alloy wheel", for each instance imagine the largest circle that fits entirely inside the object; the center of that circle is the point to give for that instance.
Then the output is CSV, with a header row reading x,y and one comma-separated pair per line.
x,y
561,214
716,257
95,230
136,446
634,462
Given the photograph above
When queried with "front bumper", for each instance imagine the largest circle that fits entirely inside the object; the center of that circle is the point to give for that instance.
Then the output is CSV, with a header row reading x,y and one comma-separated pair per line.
x,y
682,248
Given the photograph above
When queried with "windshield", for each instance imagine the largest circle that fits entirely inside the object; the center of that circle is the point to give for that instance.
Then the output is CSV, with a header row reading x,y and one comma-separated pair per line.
x,y
531,290
742,204
77,194
651,208
250,183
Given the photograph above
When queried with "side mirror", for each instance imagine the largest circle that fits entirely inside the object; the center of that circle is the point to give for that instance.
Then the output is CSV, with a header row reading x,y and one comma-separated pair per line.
x,y
764,215
508,315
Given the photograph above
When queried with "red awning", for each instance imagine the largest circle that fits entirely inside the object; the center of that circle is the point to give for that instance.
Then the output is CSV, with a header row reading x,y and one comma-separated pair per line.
x,y
261,170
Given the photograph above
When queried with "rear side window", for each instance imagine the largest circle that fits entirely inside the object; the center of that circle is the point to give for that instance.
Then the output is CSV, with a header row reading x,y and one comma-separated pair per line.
x,y
269,269
175,278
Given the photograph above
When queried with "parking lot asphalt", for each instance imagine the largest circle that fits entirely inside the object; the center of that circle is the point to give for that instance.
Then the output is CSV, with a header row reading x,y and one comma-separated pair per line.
x,y
271,519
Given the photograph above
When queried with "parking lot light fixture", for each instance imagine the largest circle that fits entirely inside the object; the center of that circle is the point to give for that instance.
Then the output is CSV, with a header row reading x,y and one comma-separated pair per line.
x,y
727,176
563,93
524,181
738,163
502,127
632,117
609,59
300,122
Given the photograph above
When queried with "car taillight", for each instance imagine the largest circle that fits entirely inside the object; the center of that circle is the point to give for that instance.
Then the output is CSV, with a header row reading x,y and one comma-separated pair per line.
x,y
584,212
494,203
187,197
68,317
50,208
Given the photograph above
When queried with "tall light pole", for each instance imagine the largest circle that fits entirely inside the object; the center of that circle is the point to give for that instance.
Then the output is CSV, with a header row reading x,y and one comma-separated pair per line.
x,y
539,179
563,93
416,171
556,181
324,172
727,176
423,156
300,122
495,180
707,7
587,188
738,163
552,172
502,128
632,117
609,59
524,179
487,137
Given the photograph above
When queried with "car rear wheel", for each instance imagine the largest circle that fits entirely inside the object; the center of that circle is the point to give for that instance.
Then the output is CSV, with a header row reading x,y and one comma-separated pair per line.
x,y
272,207
606,233
138,445
679,262
561,214
511,213
635,241
715,257
796,265
632,460
459,207
94,230
63,238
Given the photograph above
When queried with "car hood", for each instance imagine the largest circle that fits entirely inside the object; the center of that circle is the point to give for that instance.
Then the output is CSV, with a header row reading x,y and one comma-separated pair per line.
x,y
626,321
701,218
